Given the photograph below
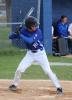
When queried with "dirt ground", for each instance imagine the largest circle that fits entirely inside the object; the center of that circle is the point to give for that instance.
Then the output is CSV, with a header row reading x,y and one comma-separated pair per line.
x,y
68,56
35,90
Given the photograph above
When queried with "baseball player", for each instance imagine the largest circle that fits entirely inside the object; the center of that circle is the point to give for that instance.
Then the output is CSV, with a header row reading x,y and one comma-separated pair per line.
x,y
33,39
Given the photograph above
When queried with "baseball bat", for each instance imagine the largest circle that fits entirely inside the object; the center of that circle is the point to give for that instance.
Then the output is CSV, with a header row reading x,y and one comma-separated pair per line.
x,y
27,15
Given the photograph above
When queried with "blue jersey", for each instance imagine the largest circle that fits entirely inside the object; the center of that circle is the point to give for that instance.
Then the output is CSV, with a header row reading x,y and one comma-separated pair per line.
x,y
33,40
62,30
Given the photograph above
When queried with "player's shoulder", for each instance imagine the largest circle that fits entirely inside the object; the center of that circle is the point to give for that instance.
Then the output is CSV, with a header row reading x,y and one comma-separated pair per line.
x,y
23,30
38,30
59,24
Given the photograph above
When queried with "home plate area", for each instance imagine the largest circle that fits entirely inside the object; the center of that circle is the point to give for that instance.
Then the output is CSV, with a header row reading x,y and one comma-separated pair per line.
x,y
35,90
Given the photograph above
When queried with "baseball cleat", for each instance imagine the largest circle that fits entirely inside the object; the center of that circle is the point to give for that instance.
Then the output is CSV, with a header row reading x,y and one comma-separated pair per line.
x,y
13,88
59,91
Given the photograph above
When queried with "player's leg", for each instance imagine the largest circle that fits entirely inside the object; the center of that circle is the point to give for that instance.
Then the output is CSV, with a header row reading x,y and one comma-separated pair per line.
x,y
24,64
43,61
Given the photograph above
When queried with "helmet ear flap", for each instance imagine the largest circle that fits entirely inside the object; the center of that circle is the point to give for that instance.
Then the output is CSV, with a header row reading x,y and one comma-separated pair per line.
x,y
30,21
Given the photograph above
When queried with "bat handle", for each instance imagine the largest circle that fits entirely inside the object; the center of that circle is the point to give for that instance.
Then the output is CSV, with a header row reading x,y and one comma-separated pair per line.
x,y
18,29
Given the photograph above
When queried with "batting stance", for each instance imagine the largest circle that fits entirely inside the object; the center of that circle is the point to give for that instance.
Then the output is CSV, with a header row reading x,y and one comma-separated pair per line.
x,y
33,39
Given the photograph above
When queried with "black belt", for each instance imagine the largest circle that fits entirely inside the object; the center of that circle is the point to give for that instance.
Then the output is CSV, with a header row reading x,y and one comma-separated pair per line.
x,y
34,51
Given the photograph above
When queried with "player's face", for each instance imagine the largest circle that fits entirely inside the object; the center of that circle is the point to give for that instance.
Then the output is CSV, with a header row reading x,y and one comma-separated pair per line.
x,y
65,20
32,29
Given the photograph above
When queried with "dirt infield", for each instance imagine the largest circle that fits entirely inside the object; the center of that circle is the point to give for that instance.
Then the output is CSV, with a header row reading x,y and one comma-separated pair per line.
x,y
35,90
68,56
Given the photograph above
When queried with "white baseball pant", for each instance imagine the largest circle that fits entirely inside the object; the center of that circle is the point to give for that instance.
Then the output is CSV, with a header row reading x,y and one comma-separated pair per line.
x,y
41,58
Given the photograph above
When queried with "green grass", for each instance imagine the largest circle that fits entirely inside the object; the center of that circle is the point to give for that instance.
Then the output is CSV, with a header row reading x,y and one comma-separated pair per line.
x,y
4,32
9,63
60,59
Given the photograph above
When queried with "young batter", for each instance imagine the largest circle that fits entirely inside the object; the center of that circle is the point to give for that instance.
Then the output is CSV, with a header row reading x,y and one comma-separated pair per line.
x,y
33,39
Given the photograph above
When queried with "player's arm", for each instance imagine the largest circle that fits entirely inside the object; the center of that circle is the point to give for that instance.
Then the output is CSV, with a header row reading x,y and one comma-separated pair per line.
x,y
31,39
13,35
26,39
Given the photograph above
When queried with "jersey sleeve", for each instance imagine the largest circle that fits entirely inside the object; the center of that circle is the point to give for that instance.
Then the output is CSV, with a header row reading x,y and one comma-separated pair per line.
x,y
26,39
12,35
35,37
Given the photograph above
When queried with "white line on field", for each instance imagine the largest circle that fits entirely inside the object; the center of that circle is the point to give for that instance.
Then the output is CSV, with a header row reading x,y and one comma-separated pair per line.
x,y
60,64
56,64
